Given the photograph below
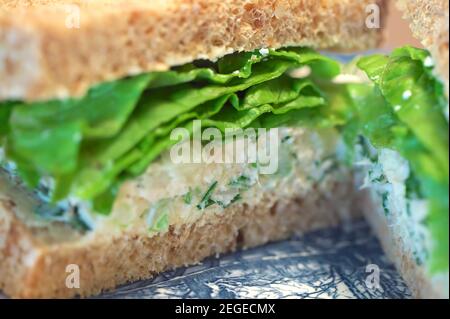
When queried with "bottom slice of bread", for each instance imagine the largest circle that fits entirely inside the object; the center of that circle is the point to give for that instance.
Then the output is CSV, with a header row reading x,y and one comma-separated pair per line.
x,y
29,269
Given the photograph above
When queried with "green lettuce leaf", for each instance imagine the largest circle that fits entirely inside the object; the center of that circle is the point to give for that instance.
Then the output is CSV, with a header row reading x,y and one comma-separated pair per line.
x,y
159,111
89,145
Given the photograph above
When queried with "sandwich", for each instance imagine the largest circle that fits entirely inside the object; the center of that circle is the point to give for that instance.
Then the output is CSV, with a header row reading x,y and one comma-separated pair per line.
x,y
400,236
140,136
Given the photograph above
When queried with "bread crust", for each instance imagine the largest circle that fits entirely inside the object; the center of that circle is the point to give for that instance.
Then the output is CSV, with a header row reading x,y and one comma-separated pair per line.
x,y
108,261
44,55
429,20
16,246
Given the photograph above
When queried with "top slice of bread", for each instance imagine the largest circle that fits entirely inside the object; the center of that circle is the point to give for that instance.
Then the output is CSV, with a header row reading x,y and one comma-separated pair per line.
x,y
54,49
429,21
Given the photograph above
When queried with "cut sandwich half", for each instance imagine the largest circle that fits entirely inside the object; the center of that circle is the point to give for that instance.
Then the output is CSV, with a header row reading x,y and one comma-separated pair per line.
x,y
100,100
405,222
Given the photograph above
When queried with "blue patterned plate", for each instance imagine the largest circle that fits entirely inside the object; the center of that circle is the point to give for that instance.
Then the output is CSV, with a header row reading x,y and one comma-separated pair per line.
x,y
332,263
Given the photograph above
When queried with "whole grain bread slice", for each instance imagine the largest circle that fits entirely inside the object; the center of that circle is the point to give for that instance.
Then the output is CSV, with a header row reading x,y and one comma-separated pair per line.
x,y
54,49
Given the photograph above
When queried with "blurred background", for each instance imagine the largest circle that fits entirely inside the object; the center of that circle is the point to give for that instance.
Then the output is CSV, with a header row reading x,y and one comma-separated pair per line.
x,y
398,32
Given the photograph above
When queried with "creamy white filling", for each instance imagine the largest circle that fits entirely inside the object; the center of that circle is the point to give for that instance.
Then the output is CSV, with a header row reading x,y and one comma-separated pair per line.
x,y
171,194
159,197
386,177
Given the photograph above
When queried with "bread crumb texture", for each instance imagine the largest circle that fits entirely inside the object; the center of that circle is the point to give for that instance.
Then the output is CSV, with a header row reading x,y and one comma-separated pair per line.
x,y
429,21
54,49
